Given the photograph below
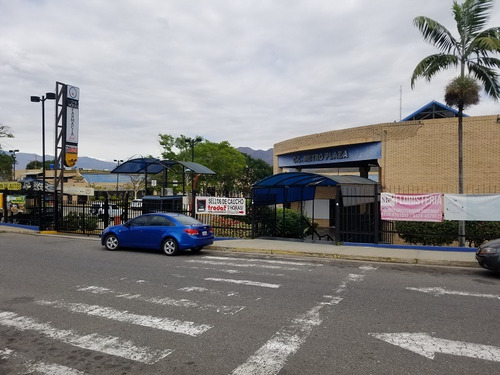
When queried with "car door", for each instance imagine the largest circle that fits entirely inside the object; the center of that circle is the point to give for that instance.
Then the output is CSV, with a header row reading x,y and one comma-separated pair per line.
x,y
155,231
133,235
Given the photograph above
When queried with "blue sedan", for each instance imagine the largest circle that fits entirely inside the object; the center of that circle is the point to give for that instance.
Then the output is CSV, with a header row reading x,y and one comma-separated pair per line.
x,y
169,232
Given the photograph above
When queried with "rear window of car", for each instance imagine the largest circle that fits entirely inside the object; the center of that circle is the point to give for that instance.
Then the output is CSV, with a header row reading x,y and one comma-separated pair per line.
x,y
187,220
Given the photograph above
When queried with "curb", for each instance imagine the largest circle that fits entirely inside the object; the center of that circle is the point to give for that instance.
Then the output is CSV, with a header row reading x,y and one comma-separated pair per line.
x,y
366,258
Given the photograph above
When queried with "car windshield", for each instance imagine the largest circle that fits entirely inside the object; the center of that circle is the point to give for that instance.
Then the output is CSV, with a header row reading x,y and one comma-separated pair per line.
x,y
187,220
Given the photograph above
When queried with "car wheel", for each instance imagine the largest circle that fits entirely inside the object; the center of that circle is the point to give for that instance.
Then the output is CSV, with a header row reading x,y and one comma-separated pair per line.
x,y
196,249
111,242
170,247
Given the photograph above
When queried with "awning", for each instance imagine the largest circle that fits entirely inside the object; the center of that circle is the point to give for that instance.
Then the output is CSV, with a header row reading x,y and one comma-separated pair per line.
x,y
155,166
298,186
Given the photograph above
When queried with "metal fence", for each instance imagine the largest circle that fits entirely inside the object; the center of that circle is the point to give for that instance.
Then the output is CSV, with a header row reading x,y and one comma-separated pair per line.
x,y
92,217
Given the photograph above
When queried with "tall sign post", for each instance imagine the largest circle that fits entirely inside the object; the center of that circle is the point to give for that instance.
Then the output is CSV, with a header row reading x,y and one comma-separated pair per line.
x,y
66,139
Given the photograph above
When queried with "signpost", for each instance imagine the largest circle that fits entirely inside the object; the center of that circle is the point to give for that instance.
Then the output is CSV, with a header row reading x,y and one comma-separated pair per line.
x,y
221,206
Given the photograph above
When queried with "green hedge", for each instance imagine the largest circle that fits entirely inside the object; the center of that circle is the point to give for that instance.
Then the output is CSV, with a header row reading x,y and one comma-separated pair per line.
x,y
446,232
77,221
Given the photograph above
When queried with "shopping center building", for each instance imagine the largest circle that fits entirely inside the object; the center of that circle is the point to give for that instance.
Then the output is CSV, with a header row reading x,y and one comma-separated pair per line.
x,y
419,154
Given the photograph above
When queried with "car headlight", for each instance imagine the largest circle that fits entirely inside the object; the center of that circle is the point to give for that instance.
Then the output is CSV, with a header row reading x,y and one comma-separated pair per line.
x,y
487,250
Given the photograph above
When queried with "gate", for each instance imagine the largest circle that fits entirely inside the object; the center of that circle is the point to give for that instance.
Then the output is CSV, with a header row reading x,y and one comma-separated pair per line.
x,y
357,213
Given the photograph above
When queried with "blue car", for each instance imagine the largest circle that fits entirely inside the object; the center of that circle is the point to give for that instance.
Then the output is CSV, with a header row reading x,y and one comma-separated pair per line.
x,y
169,232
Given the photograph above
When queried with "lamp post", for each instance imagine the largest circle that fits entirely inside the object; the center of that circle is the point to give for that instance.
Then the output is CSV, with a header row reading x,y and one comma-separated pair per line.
x,y
192,142
118,161
13,156
38,99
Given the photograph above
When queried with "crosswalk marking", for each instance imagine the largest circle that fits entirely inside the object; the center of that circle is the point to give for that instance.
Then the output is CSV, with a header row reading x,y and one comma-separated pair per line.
x,y
443,291
242,265
106,344
165,301
272,356
244,282
272,261
207,290
54,369
165,324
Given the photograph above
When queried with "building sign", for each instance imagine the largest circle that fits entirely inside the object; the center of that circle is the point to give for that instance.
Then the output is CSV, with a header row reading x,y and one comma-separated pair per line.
x,y
333,155
71,126
411,207
10,185
220,206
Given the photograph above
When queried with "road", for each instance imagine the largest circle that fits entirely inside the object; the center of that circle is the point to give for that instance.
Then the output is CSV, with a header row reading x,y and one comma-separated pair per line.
x,y
69,307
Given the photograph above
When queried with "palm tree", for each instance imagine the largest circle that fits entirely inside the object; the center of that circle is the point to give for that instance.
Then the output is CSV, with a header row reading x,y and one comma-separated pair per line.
x,y
470,52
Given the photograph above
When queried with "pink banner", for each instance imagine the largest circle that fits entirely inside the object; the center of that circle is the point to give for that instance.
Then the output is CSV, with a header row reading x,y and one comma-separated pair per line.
x,y
412,207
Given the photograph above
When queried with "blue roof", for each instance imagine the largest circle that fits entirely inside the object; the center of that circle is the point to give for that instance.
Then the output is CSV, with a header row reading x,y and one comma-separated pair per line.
x,y
298,186
154,166
432,110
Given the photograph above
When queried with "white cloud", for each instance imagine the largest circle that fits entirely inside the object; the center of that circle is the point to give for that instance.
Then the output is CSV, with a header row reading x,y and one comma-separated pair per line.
x,y
250,72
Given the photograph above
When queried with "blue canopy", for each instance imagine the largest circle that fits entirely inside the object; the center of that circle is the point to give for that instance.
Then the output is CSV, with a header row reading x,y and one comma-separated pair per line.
x,y
298,186
155,166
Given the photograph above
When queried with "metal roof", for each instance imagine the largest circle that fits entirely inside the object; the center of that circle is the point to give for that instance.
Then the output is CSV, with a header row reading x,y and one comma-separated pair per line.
x,y
299,179
154,166
432,110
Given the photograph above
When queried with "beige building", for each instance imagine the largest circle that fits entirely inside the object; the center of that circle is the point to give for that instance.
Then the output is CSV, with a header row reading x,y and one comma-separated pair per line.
x,y
416,155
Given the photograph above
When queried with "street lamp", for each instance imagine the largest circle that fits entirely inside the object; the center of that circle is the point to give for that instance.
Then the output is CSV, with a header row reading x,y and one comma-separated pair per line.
x,y
13,156
38,99
117,175
192,142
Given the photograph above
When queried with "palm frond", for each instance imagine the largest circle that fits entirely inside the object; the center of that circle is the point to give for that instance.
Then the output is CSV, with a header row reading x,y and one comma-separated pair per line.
x,y
435,33
488,77
471,16
431,65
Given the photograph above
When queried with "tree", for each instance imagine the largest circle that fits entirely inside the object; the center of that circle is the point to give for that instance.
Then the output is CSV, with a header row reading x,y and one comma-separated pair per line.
x,y
5,167
35,164
227,162
470,53
5,132
255,170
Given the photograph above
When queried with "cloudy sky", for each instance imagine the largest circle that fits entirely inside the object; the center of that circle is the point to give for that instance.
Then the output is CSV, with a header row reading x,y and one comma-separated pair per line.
x,y
251,72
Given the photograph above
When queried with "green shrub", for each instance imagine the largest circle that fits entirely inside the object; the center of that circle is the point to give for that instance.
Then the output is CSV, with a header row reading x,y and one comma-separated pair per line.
x,y
446,232
476,232
292,225
427,233
77,221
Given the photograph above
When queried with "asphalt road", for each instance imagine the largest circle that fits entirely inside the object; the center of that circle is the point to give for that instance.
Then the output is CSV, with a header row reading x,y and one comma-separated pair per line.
x,y
69,307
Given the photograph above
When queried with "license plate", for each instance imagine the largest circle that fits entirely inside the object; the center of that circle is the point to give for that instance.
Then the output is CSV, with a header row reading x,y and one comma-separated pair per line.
x,y
204,233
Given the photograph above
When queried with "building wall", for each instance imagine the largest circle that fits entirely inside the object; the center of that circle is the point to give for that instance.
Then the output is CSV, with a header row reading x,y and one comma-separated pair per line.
x,y
421,156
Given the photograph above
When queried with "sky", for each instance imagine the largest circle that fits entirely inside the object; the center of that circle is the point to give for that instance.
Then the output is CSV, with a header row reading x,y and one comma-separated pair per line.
x,y
250,72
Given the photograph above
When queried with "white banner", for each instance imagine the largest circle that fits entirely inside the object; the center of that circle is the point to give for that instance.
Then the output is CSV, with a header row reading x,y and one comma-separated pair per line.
x,y
472,207
220,206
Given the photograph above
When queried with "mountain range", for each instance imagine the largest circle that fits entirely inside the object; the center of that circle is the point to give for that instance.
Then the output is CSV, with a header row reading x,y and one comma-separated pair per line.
x,y
86,162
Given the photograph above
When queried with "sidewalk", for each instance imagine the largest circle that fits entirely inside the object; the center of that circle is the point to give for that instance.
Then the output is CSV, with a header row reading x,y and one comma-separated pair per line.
x,y
444,256
375,253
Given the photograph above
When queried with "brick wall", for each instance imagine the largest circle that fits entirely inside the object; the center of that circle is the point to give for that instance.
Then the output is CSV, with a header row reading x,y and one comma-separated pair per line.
x,y
421,156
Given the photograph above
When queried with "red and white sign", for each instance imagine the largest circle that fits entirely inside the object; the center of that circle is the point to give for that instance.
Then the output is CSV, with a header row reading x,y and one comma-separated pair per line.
x,y
412,207
220,206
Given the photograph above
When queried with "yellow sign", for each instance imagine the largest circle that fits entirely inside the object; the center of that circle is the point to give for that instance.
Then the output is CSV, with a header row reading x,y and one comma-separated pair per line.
x,y
10,185
1,201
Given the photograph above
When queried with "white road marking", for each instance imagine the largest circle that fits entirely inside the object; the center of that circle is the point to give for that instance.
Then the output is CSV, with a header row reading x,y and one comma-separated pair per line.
x,y
272,261
206,290
443,291
165,301
427,346
6,353
246,265
53,369
272,356
244,282
164,324
106,344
